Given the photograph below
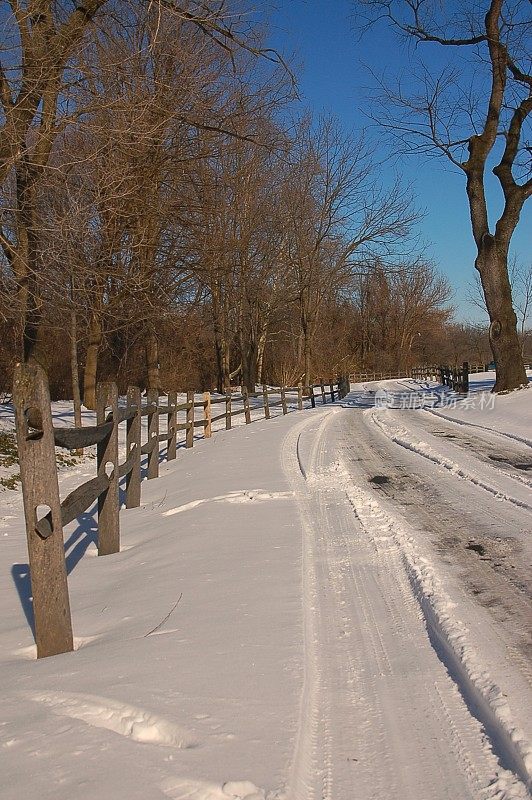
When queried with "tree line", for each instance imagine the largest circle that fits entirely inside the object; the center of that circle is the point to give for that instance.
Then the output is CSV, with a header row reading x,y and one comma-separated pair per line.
x,y
168,217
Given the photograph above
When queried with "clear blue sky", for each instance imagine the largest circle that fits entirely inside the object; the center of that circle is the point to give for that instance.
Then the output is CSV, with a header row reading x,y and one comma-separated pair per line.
x,y
333,78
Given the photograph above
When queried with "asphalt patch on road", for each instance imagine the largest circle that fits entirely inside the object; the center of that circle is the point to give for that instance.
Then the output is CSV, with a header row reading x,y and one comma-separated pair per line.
x,y
477,548
379,480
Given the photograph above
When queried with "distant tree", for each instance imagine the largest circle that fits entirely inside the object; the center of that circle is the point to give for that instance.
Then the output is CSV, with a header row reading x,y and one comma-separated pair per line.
x,y
475,116
400,311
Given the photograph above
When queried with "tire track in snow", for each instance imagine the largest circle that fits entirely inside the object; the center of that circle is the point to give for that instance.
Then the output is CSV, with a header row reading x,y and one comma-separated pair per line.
x,y
402,437
302,776
380,718
449,636
504,434
411,491
480,448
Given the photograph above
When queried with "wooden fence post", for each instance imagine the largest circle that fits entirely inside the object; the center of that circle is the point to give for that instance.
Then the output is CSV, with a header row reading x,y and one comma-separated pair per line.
x,y
299,397
228,411
107,458
283,400
207,410
265,401
190,420
311,395
152,398
331,387
247,412
133,444
172,426
323,398
38,471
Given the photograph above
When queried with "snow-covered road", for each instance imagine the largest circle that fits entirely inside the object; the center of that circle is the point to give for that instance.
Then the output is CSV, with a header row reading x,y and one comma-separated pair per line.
x,y
352,620
394,706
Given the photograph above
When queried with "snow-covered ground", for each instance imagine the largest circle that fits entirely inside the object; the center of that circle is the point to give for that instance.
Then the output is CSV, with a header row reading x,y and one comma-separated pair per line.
x,y
330,605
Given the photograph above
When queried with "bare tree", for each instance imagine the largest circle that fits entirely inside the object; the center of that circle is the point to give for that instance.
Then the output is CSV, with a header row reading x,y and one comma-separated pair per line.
x,y
476,117
399,309
41,68
336,218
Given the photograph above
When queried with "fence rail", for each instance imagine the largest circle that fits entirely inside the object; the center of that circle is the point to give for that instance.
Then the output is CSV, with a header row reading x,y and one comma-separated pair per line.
x,y
45,513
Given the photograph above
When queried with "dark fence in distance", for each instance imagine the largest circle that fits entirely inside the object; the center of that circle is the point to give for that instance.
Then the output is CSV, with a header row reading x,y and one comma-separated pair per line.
x,y
456,378
45,513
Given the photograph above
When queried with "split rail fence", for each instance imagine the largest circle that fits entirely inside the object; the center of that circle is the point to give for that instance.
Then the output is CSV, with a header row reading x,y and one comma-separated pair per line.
x,y
45,513
456,378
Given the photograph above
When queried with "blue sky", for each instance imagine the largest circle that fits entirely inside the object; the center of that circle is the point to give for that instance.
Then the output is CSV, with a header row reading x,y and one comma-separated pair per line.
x,y
334,78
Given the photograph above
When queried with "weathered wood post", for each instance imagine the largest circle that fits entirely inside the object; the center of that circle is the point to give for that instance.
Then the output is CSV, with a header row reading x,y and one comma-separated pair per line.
x,y
133,445
190,420
38,472
311,395
266,401
283,400
299,397
323,398
172,426
107,459
152,399
228,411
207,412
247,412
331,388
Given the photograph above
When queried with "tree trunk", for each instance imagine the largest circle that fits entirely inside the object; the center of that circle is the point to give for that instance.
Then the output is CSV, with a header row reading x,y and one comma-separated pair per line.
x,y
91,363
304,341
152,361
248,350
260,355
26,268
76,397
220,340
307,357
504,340
249,366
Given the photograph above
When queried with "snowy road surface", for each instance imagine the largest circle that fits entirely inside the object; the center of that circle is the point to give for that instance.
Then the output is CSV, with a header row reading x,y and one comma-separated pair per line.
x,y
351,619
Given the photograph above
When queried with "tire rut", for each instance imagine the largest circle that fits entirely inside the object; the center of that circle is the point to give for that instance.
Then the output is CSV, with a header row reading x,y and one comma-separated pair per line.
x,y
476,541
388,721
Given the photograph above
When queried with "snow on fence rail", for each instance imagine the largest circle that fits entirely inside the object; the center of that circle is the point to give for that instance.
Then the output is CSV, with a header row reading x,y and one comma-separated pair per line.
x,y
45,513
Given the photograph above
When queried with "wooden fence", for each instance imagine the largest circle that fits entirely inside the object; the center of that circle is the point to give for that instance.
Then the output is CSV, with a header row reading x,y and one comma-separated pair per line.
x,y
456,378
426,372
45,513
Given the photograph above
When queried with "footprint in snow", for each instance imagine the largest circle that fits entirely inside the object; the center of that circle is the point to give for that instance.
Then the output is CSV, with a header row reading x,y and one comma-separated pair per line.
x,y
242,496
185,789
130,721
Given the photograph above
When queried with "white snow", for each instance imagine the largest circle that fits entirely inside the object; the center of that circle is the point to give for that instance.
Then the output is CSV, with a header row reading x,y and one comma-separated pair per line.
x,y
297,613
